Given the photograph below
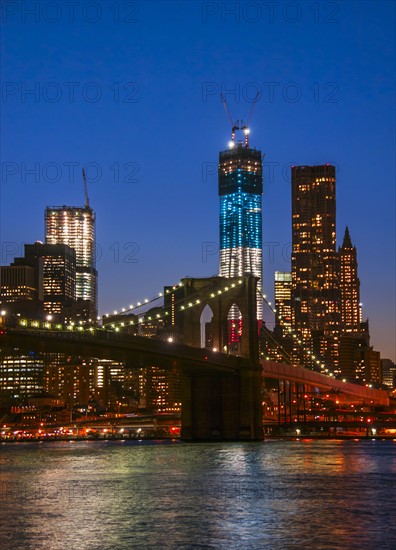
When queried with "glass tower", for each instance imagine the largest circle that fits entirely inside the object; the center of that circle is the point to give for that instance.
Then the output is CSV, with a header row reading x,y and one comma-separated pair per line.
x,y
240,191
75,226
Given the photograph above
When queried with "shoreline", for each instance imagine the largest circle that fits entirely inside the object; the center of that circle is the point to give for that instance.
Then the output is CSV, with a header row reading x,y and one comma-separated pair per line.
x,y
339,437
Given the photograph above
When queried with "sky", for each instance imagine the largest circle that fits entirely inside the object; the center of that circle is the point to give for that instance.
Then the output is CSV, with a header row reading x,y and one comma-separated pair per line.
x,y
131,90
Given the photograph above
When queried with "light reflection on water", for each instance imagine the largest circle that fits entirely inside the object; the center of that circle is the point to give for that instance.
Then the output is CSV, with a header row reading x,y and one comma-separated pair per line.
x,y
275,495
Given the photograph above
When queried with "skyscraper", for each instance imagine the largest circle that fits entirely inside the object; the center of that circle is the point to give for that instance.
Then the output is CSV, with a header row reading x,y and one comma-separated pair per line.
x,y
316,297
55,274
283,289
75,226
349,286
240,191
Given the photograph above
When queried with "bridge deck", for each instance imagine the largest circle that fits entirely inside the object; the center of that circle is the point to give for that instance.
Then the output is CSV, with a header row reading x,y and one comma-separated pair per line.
x,y
282,371
140,351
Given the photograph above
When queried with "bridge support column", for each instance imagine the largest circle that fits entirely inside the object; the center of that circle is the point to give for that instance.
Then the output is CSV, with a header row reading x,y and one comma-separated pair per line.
x,y
222,407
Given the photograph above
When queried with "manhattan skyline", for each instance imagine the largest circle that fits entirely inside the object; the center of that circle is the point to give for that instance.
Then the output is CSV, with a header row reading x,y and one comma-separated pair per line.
x,y
318,104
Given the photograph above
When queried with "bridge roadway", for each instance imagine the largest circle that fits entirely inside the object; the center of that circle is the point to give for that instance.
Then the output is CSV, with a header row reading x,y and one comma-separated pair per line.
x,y
143,352
140,350
282,371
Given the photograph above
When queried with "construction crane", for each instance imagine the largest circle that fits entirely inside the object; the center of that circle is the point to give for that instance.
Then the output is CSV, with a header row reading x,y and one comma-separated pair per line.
x,y
85,189
239,124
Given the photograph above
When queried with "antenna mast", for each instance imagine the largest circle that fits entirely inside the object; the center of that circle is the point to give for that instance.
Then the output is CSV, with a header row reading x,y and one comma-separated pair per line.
x,y
85,189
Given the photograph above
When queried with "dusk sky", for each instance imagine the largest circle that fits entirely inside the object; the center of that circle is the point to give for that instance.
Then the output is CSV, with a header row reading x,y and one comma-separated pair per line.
x,y
132,91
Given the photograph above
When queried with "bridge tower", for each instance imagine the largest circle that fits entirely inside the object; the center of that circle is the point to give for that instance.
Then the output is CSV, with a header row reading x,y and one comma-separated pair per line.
x,y
224,406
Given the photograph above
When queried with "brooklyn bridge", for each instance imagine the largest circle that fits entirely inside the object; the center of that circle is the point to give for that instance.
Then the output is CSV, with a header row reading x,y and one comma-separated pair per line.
x,y
221,388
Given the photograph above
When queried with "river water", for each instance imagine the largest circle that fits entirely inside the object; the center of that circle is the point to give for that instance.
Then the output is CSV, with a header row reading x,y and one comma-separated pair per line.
x,y
270,495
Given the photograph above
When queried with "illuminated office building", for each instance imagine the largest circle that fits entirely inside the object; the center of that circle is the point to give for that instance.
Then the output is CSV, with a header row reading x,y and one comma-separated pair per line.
x,y
349,286
21,376
17,284
316,300
240,191
160,390
388,370
283,289
55,274
69,378
75,227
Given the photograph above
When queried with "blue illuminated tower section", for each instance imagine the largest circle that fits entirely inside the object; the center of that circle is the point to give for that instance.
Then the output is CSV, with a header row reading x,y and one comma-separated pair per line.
x,y
240,190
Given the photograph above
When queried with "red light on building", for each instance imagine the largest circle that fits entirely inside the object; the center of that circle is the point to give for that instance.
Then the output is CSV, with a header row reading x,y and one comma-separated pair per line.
x,y
174,430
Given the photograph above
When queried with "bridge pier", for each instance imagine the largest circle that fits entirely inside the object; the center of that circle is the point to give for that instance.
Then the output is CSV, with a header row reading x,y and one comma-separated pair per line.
x,y
222,407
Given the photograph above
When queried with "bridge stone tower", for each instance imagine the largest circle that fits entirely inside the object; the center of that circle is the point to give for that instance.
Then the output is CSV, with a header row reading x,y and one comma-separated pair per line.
x,y
221,406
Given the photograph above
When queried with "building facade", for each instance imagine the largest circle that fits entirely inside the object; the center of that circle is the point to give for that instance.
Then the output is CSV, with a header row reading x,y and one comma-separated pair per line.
x,y
283,293
75,227
21,376
349,286
316,300
55,275
17,284
240,189
388,369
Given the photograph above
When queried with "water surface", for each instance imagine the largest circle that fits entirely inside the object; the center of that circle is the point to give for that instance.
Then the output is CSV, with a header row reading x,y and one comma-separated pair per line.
x,y
88,495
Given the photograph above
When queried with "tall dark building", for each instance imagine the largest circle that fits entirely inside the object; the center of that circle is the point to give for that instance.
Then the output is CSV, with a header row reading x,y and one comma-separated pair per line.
x,y
349,286
388,369
17,284
316,300
55,274
240,191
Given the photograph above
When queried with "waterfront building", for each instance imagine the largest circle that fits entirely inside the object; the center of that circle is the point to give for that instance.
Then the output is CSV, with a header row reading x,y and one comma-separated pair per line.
x,y
21,376
358,361
316,299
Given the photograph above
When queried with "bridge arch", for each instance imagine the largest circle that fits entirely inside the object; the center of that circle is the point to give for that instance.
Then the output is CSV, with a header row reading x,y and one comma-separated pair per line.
x,y
220,293
232,322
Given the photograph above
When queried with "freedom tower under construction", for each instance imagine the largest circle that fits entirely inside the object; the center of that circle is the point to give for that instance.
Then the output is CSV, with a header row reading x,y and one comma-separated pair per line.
x,y
240,191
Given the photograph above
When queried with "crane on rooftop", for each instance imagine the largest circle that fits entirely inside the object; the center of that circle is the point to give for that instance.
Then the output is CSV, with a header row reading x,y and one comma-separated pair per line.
x,y
240,124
